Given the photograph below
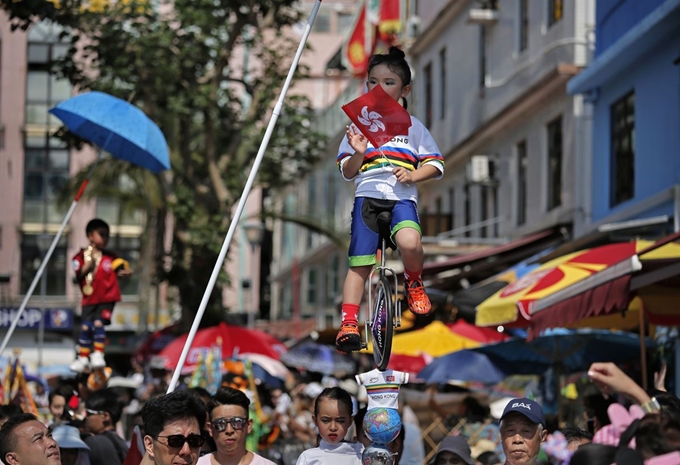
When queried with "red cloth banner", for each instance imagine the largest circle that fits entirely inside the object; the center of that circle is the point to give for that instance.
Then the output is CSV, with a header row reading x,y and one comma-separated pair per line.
x,y
390,18
354,55
378,116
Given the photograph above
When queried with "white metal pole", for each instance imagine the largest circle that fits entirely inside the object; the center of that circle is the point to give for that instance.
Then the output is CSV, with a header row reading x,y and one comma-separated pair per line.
x,y
242,201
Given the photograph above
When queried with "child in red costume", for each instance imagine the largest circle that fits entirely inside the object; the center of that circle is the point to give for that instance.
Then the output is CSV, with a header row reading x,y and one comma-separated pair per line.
x,y
97,271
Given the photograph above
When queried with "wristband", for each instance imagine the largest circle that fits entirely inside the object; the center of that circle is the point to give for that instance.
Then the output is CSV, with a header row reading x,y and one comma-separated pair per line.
x,y
651,406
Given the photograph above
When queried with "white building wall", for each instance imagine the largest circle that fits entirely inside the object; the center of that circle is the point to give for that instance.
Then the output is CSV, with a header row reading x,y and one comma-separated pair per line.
x,y
511,75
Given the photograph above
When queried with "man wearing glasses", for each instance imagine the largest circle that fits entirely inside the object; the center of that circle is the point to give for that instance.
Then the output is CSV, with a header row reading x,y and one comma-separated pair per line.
x,y
103,409
229,427
173,428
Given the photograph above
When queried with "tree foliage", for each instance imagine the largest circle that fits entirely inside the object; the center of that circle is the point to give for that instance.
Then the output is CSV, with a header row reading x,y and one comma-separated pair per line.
x,y
183,64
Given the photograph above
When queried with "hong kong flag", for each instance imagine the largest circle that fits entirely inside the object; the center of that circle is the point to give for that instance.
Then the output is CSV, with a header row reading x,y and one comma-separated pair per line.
x,y
378,116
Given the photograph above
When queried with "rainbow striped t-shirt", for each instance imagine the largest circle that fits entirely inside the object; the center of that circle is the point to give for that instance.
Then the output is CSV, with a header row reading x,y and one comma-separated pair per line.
x,y
382,387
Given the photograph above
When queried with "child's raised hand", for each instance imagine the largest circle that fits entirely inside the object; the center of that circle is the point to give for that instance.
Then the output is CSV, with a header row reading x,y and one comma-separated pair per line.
x,y
124,272
356,139
403,175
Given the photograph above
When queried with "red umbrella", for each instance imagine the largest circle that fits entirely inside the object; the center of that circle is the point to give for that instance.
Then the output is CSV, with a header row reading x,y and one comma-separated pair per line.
x,y
234,339
411,364
470,331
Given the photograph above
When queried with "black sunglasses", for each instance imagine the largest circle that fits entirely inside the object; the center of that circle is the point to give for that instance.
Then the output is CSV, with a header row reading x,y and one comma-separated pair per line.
x,y
177,440
236,422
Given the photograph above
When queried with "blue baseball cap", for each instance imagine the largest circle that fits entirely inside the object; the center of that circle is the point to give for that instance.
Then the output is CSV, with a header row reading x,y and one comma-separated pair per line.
x,y
527,407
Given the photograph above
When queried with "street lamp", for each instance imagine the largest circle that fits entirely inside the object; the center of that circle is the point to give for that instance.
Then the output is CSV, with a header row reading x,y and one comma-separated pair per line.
x,y
255,234
44,241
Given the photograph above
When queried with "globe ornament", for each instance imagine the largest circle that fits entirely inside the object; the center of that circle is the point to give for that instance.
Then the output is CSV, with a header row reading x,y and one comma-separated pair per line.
x,y
377,454
382,425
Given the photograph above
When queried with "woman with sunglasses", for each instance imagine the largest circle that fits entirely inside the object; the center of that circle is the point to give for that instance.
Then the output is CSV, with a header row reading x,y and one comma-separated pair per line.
x,y
230,424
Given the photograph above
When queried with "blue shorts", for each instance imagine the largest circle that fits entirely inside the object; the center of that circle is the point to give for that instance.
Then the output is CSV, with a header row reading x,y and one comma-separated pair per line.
x,y
364,236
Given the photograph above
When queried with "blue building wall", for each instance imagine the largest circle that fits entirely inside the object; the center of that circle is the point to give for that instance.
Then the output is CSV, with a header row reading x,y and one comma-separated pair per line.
x,y
616,17
656,82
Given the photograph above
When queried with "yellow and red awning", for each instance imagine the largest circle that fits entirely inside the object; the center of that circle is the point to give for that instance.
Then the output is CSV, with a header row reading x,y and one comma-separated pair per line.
x,y
513,305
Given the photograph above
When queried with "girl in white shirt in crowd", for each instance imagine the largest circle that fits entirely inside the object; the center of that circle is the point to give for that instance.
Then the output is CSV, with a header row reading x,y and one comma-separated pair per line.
x,y
333,417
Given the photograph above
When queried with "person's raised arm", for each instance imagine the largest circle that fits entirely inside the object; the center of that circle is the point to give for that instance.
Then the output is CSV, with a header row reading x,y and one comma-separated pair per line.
x,y
609,378
359,143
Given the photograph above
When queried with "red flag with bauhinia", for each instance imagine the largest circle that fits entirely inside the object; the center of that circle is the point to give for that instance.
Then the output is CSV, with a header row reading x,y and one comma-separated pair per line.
x,y
378,116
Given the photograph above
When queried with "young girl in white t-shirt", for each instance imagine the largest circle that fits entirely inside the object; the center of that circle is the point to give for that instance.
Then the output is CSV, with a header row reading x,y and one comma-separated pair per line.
x,y
333,417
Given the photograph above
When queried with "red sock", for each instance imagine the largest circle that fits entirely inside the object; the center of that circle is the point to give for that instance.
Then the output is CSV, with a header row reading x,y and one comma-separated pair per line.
x,y
350,314
412,275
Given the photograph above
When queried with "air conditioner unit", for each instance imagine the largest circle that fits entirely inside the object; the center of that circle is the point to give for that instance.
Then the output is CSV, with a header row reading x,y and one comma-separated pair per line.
x,y
482,16
479,169
413,27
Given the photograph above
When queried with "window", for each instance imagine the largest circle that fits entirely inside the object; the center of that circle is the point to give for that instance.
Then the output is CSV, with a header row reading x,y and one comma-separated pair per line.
x,y
44,89
521,149
344,22
484,200
523,25
46,168
452,205
330,198
482,57
554,130
555,11
333,279
322,23
622,180
46,172
427,71
442,83
311,207
56,272
466,195
286,300
311,287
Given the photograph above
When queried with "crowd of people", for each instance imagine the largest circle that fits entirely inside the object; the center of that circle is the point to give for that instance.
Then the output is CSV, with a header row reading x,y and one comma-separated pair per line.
x,y
313,424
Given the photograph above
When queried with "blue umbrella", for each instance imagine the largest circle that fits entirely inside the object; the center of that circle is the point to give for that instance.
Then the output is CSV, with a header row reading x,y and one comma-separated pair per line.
x,y
566,350
266,377
462,365
318,358
116,126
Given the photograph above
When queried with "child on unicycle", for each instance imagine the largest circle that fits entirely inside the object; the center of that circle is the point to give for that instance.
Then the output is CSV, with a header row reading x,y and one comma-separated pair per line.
x,y
385,180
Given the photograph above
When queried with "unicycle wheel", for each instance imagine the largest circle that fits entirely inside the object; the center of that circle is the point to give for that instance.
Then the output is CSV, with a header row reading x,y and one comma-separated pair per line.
x,y
382,323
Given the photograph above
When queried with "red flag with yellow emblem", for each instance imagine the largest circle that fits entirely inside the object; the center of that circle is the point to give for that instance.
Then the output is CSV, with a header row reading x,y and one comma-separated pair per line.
x,y
354,54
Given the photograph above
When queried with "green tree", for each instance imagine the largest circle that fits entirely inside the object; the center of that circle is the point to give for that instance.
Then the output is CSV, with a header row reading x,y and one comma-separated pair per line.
x,y
182,63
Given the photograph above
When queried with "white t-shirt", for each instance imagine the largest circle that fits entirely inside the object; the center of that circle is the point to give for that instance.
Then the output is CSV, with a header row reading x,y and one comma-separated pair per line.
x,y
344,453
375,178
257,460
382,387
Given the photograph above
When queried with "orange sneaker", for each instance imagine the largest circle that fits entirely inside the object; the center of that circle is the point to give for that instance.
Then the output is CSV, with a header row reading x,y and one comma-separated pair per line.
x,y
418,301
348,339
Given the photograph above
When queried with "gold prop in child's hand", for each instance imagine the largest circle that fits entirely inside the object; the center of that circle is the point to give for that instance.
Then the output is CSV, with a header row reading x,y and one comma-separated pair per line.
x,y
89,254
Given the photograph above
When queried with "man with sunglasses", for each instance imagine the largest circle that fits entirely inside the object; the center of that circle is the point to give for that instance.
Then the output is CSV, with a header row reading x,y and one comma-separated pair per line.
x,y
103,410
173,425
229,426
